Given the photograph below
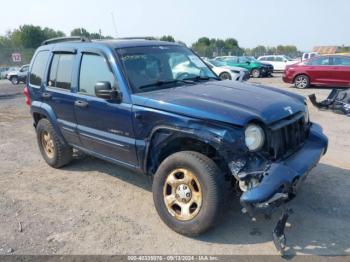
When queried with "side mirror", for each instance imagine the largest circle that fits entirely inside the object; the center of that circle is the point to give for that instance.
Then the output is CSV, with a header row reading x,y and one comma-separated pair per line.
x,y
248,62
104,90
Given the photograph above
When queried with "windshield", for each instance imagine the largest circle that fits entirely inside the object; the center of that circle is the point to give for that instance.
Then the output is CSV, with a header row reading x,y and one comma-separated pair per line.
x,y
158,67
251,59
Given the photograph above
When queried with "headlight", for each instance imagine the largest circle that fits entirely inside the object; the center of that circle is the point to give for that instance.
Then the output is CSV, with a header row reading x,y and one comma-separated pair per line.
x,y
254,137
306,114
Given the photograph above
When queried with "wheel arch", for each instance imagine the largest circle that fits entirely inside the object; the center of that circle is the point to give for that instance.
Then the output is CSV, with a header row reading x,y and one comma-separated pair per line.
x,y
41,110
166,141
301,73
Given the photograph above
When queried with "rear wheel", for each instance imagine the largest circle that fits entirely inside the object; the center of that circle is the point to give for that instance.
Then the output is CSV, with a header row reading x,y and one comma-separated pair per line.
x,y
302,81
225,76
54,151
256,73
14,80
187,192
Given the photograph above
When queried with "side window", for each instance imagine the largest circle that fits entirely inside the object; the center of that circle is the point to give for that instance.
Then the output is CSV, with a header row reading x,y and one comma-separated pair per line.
x,y
341,61
38,68
278,59
271,58
93,69
61,71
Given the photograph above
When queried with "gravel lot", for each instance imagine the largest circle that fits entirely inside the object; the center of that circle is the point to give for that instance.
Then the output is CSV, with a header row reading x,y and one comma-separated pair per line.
x,y
94,207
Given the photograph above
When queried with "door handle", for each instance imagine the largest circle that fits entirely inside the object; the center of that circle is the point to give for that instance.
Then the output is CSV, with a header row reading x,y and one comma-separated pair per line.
x,y
46,95
80,103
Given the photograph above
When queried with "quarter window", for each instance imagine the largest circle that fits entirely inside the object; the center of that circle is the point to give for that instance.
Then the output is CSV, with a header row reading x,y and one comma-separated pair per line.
x,y
341,61
321,61
61,71
38,68
93,69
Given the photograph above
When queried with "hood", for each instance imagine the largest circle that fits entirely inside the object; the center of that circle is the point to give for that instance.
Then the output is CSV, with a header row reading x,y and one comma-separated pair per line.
x,y
265,64
226,101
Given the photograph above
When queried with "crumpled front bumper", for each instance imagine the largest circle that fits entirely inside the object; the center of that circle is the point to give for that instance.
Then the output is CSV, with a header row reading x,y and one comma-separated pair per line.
x,y
281,180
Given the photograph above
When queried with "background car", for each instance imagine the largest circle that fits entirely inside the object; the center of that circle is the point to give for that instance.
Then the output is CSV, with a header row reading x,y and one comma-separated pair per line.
x,y
6,70
309,55
279,62
19,75
228,72
255,67
2,72
329,70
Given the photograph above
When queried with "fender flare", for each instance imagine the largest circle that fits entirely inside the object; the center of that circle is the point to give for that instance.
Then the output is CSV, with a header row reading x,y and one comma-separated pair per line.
x,y
210,138
47,111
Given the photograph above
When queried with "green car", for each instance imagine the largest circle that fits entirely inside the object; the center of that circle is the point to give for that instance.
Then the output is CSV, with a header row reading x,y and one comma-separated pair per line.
x,y
256,68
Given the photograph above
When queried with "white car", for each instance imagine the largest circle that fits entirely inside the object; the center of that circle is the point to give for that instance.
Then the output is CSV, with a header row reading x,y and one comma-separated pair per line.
x,y
228,72
279,62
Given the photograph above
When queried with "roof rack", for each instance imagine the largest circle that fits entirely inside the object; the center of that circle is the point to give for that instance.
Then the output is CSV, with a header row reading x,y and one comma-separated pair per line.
x,y
66,39
136,38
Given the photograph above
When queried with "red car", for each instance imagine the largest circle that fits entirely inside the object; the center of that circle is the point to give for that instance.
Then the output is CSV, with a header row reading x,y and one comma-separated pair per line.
x,y
329,70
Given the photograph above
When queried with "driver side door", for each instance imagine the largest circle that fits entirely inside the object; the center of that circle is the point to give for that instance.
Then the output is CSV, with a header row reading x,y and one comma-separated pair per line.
x,y
104,126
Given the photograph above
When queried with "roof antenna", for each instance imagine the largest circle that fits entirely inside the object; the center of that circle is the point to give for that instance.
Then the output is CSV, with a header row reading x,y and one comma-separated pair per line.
x,y
114,24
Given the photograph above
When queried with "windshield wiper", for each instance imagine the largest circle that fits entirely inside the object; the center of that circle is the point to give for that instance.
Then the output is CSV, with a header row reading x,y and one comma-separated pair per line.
x,y
165,82
202,78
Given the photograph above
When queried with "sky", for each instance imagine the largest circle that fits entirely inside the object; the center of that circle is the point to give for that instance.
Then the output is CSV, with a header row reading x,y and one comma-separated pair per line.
x,y
304,23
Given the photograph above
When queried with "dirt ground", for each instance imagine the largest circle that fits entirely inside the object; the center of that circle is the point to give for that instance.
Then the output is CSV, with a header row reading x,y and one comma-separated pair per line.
x,y
94,207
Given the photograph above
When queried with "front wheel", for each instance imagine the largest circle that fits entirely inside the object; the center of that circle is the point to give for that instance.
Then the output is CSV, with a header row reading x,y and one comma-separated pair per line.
x,y
14,80
187,192
225,76
302,81
256,73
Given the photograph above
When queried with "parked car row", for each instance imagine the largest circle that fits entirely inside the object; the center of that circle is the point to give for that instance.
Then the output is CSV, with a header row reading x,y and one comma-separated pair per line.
x,y
255,67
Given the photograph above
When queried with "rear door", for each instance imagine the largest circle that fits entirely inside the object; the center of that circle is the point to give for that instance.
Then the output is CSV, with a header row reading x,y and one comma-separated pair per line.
x,y
105,127
320,71
58,95
341,70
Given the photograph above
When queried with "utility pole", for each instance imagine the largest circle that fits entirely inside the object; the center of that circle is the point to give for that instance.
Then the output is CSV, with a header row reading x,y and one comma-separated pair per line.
x,y
114,24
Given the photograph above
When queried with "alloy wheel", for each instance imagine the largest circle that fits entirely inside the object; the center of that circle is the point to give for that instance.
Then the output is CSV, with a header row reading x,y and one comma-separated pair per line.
x,y
182,194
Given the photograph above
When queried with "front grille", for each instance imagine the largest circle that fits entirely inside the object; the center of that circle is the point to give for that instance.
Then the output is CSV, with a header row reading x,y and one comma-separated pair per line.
x,y
287,136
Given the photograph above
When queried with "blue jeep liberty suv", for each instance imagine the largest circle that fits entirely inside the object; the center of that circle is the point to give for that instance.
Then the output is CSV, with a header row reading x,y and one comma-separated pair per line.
x,y
158,109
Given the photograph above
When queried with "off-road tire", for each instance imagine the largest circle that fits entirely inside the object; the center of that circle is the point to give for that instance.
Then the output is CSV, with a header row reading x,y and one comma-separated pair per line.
x,y
62,153
256,73
211,181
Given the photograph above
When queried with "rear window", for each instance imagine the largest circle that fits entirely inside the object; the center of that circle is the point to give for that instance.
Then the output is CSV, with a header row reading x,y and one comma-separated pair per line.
x,y
61,71
38,68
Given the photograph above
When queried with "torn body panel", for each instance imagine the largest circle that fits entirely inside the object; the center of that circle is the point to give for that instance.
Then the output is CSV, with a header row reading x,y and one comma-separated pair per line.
x,y
279,181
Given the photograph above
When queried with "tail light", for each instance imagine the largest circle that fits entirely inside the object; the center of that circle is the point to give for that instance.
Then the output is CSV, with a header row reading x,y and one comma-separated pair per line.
x,y
26,94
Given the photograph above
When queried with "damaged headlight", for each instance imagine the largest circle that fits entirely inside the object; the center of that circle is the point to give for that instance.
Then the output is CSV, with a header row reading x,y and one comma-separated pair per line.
x,y
254,137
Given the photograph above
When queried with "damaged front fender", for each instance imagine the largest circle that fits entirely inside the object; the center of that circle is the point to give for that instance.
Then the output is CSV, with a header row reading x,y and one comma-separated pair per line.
x,y
281,179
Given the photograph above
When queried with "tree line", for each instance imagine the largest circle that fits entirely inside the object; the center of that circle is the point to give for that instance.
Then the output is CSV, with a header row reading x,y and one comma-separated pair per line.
x,y
28,37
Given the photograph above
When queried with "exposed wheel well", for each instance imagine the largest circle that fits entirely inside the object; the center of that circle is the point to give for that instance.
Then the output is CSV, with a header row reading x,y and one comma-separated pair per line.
x,y
170,146
37,117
